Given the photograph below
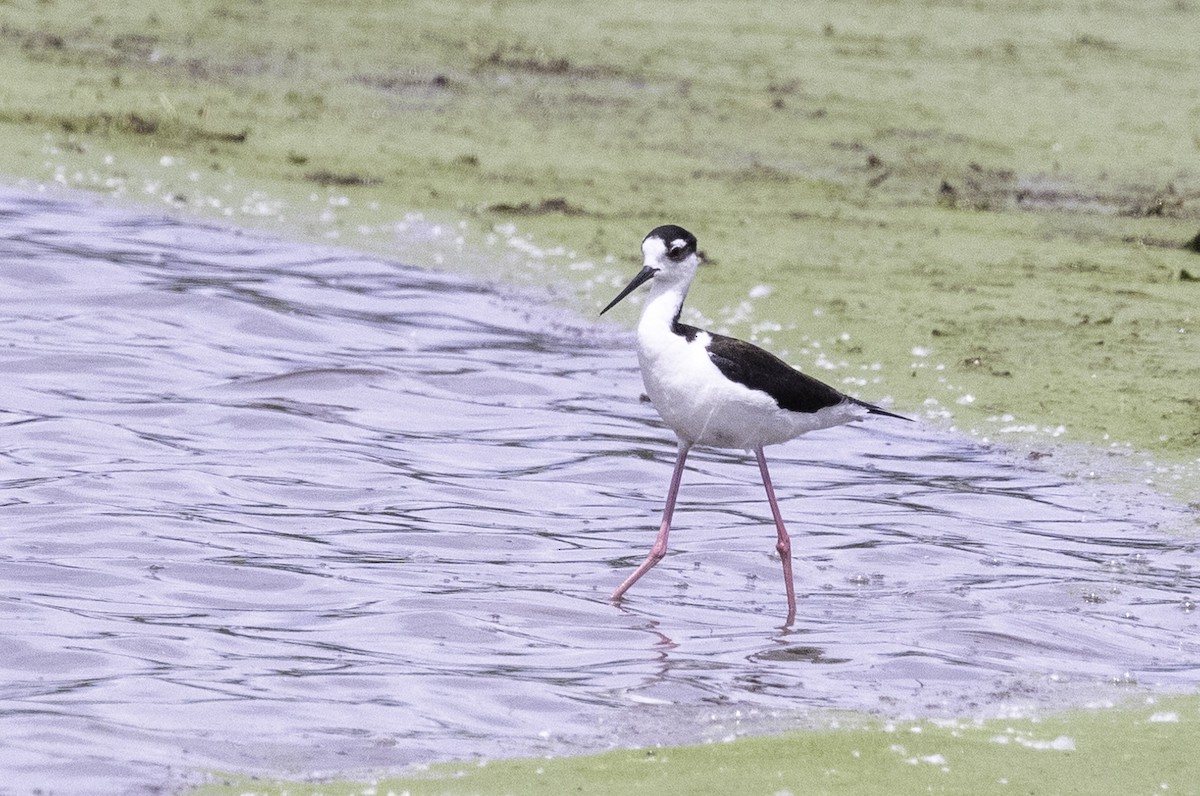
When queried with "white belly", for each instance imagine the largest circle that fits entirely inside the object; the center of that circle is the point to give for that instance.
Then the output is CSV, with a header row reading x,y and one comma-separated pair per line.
x,y
703,407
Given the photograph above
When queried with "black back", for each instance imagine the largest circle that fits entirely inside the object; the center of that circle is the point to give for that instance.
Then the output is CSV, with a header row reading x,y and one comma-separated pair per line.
x,y
751,366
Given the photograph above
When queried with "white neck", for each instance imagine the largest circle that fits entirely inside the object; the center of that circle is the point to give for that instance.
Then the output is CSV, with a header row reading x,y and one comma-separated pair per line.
x,y
663,304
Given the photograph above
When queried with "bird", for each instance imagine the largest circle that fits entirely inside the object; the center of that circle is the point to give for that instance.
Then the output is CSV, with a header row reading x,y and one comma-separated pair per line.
x,y
718,391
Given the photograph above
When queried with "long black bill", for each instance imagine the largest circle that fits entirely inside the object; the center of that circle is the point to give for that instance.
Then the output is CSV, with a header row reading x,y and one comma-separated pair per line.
x,y
641,277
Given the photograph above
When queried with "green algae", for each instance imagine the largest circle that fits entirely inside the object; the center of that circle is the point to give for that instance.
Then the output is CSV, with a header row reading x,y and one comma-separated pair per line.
x,y
1004,189
1144,749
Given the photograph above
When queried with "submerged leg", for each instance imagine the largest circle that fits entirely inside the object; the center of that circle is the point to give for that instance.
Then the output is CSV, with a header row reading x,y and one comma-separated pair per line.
x,y
784,546
660,544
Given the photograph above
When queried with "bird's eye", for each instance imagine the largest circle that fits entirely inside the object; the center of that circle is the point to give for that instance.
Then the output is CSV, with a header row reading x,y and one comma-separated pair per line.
x,y
676,251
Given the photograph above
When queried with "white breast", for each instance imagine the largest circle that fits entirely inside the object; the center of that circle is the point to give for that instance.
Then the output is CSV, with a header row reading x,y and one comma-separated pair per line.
x,y
704,407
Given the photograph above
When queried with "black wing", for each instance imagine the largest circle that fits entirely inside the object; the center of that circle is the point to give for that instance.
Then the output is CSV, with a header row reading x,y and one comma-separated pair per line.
x,y
761,370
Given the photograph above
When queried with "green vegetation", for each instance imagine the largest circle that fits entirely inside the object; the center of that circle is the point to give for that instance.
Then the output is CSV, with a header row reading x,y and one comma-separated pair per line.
x,y
1005,189
1147,750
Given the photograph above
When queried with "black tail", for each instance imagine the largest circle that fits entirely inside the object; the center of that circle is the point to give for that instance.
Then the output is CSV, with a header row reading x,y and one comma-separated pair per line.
x,y
875,410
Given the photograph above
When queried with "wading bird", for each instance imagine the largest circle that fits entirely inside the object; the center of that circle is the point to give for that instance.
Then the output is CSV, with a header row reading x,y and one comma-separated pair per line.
x,y
719,391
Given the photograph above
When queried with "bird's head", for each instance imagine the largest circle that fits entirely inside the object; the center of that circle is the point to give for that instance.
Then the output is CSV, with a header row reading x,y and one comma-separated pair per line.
x,y
668,253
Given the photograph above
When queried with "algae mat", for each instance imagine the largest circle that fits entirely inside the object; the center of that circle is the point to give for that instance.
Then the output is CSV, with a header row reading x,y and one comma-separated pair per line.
x,y
980,210
1149,749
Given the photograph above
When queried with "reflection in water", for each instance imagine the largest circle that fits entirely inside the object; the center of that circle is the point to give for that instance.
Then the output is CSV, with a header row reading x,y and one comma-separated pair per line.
x,y
277,508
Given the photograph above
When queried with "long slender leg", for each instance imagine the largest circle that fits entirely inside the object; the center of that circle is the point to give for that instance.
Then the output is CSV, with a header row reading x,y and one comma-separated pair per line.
x,y
784,546
660,544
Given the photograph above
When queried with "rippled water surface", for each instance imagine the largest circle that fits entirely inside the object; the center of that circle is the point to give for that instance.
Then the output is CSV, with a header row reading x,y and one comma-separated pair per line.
x,y
274,508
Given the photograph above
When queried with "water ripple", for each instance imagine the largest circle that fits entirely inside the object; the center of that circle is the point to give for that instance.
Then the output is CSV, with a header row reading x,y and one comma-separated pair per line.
x,y
278,508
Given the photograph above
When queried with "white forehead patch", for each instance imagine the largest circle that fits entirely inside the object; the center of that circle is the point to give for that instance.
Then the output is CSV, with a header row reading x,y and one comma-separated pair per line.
x,y
654,248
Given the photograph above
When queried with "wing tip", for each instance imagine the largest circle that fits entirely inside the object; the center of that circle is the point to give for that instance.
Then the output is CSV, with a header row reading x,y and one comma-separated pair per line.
x,y
872,409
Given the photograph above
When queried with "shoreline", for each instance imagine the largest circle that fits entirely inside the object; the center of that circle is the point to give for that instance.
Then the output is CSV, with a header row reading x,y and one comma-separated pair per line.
x,y
433,242
878,202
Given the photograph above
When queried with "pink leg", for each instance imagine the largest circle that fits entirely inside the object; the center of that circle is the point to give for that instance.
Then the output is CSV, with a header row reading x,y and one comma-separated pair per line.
x,y
784,546
660,544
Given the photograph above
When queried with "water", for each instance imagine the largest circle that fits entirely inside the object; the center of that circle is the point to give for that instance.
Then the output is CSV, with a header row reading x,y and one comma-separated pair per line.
x,y
279,509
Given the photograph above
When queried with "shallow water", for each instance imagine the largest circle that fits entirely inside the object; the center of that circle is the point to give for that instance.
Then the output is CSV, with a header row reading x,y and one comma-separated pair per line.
x,y
274,508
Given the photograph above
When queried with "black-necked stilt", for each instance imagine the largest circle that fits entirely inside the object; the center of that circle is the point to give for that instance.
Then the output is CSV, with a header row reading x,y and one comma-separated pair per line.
x,y
719,391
